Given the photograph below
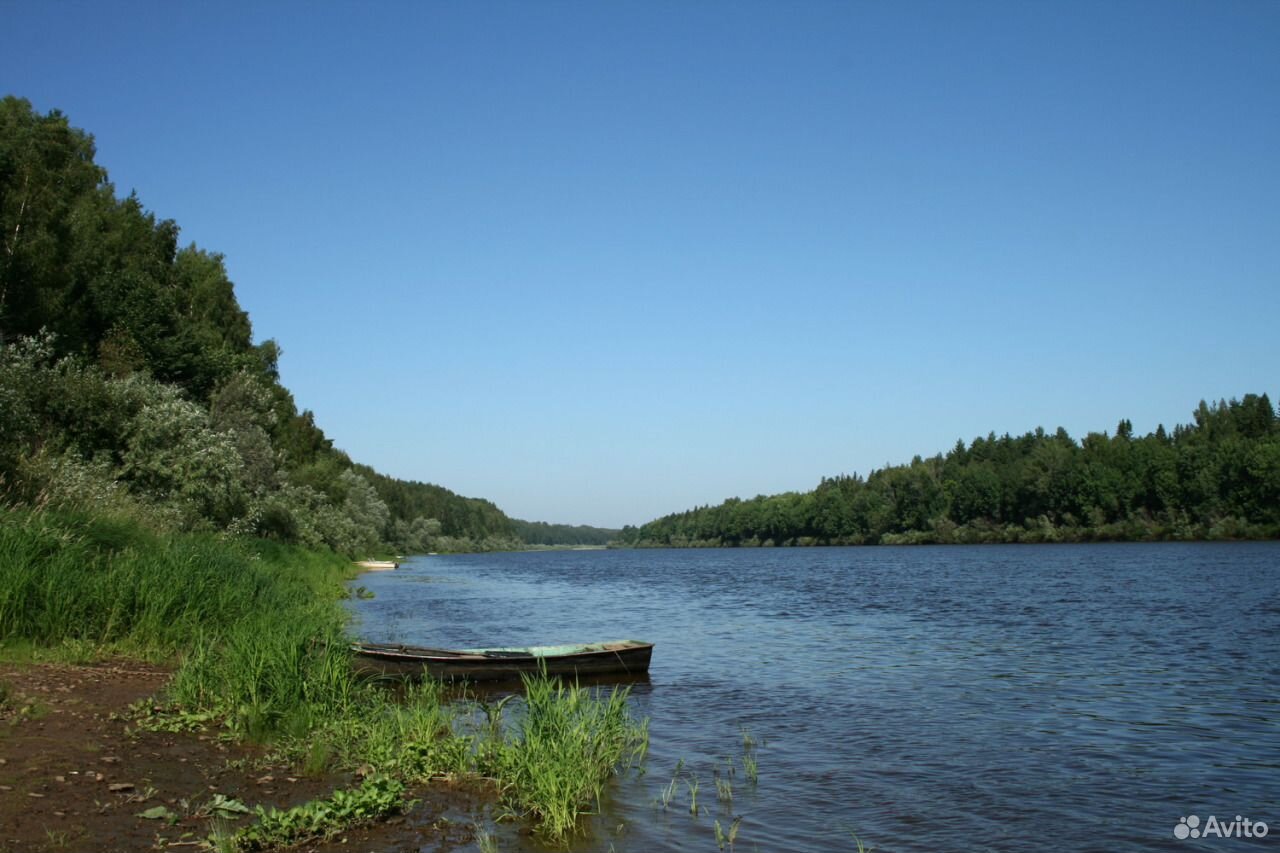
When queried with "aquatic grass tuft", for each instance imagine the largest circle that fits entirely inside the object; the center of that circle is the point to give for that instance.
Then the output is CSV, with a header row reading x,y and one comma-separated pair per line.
x,y
567,742
726,840
749,749
486,841
668,793
724,789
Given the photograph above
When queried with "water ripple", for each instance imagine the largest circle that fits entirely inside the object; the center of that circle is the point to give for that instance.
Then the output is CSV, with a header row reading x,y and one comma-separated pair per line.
x,y
1001,698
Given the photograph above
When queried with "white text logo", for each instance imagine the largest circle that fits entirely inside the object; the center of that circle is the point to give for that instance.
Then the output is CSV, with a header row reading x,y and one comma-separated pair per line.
x,y
1241,827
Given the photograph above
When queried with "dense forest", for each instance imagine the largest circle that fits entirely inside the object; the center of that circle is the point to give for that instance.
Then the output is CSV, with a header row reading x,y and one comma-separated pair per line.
x,y
130,382
1216,478
541,533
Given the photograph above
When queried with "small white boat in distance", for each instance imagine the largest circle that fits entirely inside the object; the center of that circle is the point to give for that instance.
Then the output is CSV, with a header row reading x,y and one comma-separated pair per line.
x,y
377,565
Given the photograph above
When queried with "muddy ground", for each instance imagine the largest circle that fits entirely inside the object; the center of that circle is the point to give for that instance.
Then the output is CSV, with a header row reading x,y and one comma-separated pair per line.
x,y
76,776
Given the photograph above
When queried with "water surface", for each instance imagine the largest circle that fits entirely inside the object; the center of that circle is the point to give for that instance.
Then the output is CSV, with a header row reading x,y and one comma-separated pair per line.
x,y
1009,698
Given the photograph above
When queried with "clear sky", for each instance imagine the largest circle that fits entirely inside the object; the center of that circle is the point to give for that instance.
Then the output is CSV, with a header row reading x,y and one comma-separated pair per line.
x,y
598,262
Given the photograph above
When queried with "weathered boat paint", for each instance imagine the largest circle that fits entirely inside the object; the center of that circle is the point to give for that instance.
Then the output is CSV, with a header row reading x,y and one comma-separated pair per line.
x,y
621,657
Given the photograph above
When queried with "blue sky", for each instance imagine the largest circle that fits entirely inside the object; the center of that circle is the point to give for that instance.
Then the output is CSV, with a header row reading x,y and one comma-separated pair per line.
x,y
598,262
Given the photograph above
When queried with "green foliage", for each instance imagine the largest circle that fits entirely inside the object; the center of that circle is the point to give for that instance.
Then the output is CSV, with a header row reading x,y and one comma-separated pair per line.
x,y
148,717
367,514
1216,478
129,377
81,438
409,736
257,626
173,455
425,517
542,533
88,577
260,633
726,840
566,745
375,798
103,273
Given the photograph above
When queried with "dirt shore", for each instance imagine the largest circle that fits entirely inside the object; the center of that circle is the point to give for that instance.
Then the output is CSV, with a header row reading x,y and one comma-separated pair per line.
x,y
74,775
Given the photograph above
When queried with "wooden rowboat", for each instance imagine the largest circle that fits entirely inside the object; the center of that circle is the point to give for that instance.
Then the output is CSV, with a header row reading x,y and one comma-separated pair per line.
x,y
622,657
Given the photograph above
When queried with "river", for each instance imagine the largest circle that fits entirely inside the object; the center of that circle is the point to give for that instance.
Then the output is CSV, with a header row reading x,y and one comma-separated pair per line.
x,y
1004,698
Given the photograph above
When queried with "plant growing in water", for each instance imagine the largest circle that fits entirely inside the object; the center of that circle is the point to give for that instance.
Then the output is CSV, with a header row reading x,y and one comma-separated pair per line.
x,y
566,744
486,841
724,784
725,840
749,766
667,794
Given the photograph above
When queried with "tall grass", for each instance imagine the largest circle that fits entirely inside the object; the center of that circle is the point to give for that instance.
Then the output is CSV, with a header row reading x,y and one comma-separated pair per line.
x,y
410,735
253,622
550,752
71,576
258,631
565,746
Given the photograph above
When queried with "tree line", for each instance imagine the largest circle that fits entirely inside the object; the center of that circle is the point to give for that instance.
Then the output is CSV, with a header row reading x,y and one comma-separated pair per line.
x,y
542,533
1215,478
130,381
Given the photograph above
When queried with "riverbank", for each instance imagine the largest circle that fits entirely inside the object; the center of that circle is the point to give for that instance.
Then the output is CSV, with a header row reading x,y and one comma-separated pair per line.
x,y
1037,531
80,769
255,635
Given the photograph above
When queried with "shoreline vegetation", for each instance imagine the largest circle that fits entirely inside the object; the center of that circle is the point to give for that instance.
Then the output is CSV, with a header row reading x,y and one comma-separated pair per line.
x,y
255,630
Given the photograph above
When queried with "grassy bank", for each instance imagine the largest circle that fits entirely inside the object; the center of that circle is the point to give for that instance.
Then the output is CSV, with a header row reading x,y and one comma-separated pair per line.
x,y
255,630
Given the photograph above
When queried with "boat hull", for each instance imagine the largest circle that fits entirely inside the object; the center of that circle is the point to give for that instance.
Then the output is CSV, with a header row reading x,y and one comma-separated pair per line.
x,y
623,658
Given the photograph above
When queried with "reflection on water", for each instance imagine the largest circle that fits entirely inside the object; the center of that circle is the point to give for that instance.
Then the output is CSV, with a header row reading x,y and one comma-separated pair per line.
x,y
986,698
